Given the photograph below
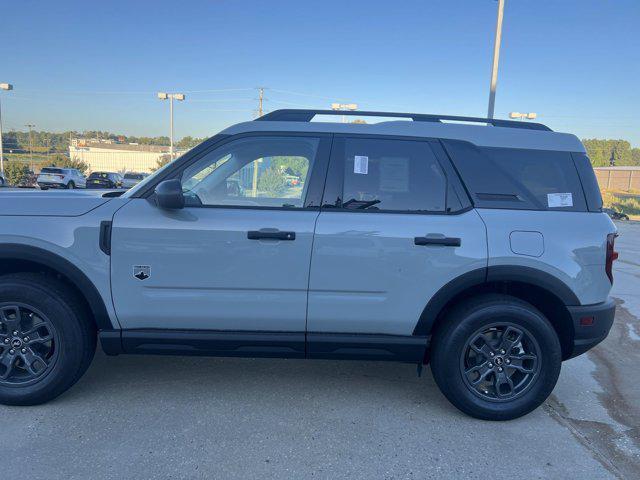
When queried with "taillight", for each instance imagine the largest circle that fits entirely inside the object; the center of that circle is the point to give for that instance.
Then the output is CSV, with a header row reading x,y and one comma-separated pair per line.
x,y
611,255
60,176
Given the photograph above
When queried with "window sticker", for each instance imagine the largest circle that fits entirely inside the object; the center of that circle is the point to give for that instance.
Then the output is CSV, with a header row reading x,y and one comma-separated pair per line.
x,y
394,174
361,164
559,200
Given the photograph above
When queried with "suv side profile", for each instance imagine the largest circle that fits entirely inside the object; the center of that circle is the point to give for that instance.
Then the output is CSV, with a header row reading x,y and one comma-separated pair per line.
x,y
480,249
54,177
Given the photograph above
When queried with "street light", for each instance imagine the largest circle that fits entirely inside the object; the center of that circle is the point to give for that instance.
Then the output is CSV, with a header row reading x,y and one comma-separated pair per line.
x,y
496,58
522,116
344,106
171,97
3,86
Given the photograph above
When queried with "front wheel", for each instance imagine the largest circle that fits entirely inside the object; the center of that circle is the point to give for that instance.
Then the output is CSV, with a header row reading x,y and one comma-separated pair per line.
x,y
496,357
46,341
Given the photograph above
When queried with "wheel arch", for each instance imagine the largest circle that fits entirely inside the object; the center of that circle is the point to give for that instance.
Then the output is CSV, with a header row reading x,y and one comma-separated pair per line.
x,y
547,293
16,257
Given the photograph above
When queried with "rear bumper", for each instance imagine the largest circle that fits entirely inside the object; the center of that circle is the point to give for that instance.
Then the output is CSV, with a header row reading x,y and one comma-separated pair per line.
x,y
51,185
588,336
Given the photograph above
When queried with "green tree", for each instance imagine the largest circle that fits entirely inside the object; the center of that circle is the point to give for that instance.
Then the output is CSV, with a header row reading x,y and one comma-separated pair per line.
x,y
161,162
603,151
272,182
297,166
15,172
63,161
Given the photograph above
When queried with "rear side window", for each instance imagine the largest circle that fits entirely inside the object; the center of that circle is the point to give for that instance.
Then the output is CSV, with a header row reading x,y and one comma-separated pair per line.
x,y
390,175
518,178
589,182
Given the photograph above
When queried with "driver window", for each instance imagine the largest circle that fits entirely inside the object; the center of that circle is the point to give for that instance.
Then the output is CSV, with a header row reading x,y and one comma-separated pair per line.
x,y
253,171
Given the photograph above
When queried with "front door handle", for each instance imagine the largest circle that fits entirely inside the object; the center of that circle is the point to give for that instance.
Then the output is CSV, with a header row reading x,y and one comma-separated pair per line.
x,y
444,241
270,234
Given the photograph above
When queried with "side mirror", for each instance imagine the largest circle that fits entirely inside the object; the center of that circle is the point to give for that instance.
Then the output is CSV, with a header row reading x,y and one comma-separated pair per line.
x,y
169,194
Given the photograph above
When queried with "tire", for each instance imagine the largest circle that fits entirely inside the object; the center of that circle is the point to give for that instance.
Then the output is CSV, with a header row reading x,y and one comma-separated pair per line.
x,y
494,322
60,362
71,186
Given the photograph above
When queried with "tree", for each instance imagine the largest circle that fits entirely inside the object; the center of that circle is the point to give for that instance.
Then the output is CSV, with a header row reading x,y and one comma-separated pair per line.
x,y
15,172
63,161
603,151
272,182
161,162
297,166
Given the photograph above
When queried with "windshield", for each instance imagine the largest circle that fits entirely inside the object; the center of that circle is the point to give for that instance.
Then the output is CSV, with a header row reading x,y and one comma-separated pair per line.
x,y
51,170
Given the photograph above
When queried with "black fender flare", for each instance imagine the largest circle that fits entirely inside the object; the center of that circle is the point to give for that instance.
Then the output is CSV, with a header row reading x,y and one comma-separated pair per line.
x,y
53,261
496,273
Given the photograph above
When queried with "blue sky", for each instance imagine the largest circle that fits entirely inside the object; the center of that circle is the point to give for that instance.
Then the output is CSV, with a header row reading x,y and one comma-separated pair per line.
x,y
97,65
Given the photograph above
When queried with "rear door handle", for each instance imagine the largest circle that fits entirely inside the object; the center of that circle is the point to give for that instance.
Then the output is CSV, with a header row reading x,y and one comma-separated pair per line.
x,y
444,241
270,235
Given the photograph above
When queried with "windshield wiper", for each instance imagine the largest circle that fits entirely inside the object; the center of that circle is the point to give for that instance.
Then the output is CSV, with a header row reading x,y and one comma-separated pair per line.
x,y
360,204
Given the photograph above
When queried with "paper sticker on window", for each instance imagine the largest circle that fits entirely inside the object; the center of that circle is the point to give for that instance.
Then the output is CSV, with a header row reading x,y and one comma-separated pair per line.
x,y
559,200
394,174
361,164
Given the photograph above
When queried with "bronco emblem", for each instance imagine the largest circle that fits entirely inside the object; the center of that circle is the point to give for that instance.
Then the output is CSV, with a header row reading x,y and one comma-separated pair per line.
x,y
141,272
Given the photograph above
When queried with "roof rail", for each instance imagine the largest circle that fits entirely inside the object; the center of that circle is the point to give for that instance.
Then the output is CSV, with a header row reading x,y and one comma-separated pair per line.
x,y
299,115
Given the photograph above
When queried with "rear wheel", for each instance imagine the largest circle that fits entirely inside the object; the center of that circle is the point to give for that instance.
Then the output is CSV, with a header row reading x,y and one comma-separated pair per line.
x,y
496,357
71,185
46,343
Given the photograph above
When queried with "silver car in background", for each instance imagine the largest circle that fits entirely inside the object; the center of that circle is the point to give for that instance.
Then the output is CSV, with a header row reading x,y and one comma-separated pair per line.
x,y
54,177
132,178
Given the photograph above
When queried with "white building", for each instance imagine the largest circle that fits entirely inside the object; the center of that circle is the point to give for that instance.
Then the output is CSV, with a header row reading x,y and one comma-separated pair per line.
x,y
104,156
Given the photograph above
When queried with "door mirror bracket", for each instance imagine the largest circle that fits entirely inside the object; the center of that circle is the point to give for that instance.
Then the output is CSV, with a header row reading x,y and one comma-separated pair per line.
x,y
169,194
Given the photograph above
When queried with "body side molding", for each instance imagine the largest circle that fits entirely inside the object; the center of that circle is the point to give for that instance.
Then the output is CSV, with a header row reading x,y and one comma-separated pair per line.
x,y
225,343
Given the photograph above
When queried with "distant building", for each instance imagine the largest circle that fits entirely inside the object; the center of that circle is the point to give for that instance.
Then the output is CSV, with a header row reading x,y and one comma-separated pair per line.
x,y
103,155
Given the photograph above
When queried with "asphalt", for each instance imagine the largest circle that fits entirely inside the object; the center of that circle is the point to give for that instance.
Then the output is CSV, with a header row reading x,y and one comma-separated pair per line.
x,y
215,418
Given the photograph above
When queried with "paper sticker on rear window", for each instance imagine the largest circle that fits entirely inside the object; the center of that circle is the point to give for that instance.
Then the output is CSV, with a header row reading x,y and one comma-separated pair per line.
x,y
361,164
559,200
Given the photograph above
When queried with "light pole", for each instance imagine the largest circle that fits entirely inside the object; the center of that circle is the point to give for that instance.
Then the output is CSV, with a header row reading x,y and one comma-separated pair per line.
x,y
523,116
344,106
171,97
496,59
30,126
3,86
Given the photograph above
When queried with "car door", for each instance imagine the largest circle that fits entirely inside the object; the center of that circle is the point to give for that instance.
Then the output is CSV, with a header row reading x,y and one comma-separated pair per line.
x,y
237,257
395,227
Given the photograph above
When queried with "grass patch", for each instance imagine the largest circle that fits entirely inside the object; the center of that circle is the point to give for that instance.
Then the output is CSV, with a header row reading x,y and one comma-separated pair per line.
x,y
625,202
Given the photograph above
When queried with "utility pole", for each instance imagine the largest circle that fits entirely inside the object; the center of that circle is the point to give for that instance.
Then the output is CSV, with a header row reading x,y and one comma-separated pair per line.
x,y
260,100
496,59
30,126
256,163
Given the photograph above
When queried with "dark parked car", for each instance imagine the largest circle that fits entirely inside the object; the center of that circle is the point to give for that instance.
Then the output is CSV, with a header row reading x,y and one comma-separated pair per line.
x,y
104,180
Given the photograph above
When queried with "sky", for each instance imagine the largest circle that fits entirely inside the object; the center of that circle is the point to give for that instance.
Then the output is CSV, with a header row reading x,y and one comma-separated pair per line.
x,y
98,65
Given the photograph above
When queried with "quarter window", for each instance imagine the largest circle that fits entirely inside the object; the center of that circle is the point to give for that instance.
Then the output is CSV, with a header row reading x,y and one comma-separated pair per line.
x,y
392,175
255,171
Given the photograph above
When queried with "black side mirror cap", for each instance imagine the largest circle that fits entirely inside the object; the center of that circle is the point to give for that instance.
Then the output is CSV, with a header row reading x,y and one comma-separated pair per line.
x,y
169,194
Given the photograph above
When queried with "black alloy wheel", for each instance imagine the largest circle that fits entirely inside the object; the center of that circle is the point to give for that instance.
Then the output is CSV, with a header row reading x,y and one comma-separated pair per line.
x,y
500,361
28,343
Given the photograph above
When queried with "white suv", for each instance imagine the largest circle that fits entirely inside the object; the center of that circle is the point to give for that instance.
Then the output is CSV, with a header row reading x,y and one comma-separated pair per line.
x,y
53,177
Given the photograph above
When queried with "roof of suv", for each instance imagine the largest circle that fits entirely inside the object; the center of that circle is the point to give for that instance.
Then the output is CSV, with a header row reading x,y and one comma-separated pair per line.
x,y
508,134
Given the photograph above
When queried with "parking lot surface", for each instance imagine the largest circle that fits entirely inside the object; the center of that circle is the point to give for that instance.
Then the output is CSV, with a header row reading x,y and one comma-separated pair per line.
x,y
173,417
